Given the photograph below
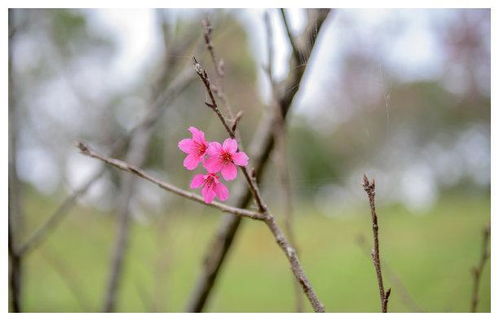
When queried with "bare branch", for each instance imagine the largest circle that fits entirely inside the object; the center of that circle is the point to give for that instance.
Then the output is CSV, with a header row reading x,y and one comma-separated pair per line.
x,y
260,149
270,49
218,65
394,279
212,104
370,189
477,271
236,121
124,166
263,209
294,46
15,215
281,153
207,30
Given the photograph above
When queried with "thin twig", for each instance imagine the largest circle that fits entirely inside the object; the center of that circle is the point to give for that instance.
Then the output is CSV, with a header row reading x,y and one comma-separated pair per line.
x,y
166,186
15,215
260,149
212,104
406,297
203,75
370,189
218,65
477,271
270,49
281,154
294,46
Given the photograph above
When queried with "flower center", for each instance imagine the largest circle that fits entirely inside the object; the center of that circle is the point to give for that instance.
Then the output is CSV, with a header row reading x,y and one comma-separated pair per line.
x,y
211,180
201,148
226,157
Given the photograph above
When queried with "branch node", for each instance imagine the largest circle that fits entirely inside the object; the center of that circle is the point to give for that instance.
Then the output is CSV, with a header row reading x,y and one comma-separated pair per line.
x,y
387,295
236,120
82,147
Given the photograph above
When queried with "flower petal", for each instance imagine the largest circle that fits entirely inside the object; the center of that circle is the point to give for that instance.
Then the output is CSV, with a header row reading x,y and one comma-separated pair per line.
x,y
240,159
230,145
208,194
197,135
229,171
214,148
222,191
213,164
191,161
187,145
197,181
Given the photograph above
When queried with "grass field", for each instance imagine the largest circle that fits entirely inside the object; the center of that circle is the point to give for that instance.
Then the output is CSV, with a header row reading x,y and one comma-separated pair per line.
x,y
430,254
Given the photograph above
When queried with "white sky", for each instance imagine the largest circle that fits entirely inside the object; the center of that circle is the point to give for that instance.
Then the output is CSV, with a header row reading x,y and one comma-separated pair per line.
x,y
137,37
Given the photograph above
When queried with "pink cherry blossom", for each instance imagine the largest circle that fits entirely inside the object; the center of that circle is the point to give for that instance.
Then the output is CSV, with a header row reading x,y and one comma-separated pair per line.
x,y
194,147
224,158
211,187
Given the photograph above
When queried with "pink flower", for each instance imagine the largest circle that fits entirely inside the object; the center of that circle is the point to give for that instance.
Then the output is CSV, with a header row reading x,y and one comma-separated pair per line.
x,y
195,148
211,187
225,158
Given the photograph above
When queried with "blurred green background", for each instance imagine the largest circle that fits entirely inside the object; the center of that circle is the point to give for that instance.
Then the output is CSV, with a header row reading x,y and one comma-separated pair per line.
x,y
402,95
430,255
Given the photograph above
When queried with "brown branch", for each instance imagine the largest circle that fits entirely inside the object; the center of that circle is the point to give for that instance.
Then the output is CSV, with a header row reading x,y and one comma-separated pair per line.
x,y
263,208
136,154
15,215
212,104
124,166
370,189
266,217
259,151
281,154
207,30
218,65
270,49
294,46
394,279
203,75
477,271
